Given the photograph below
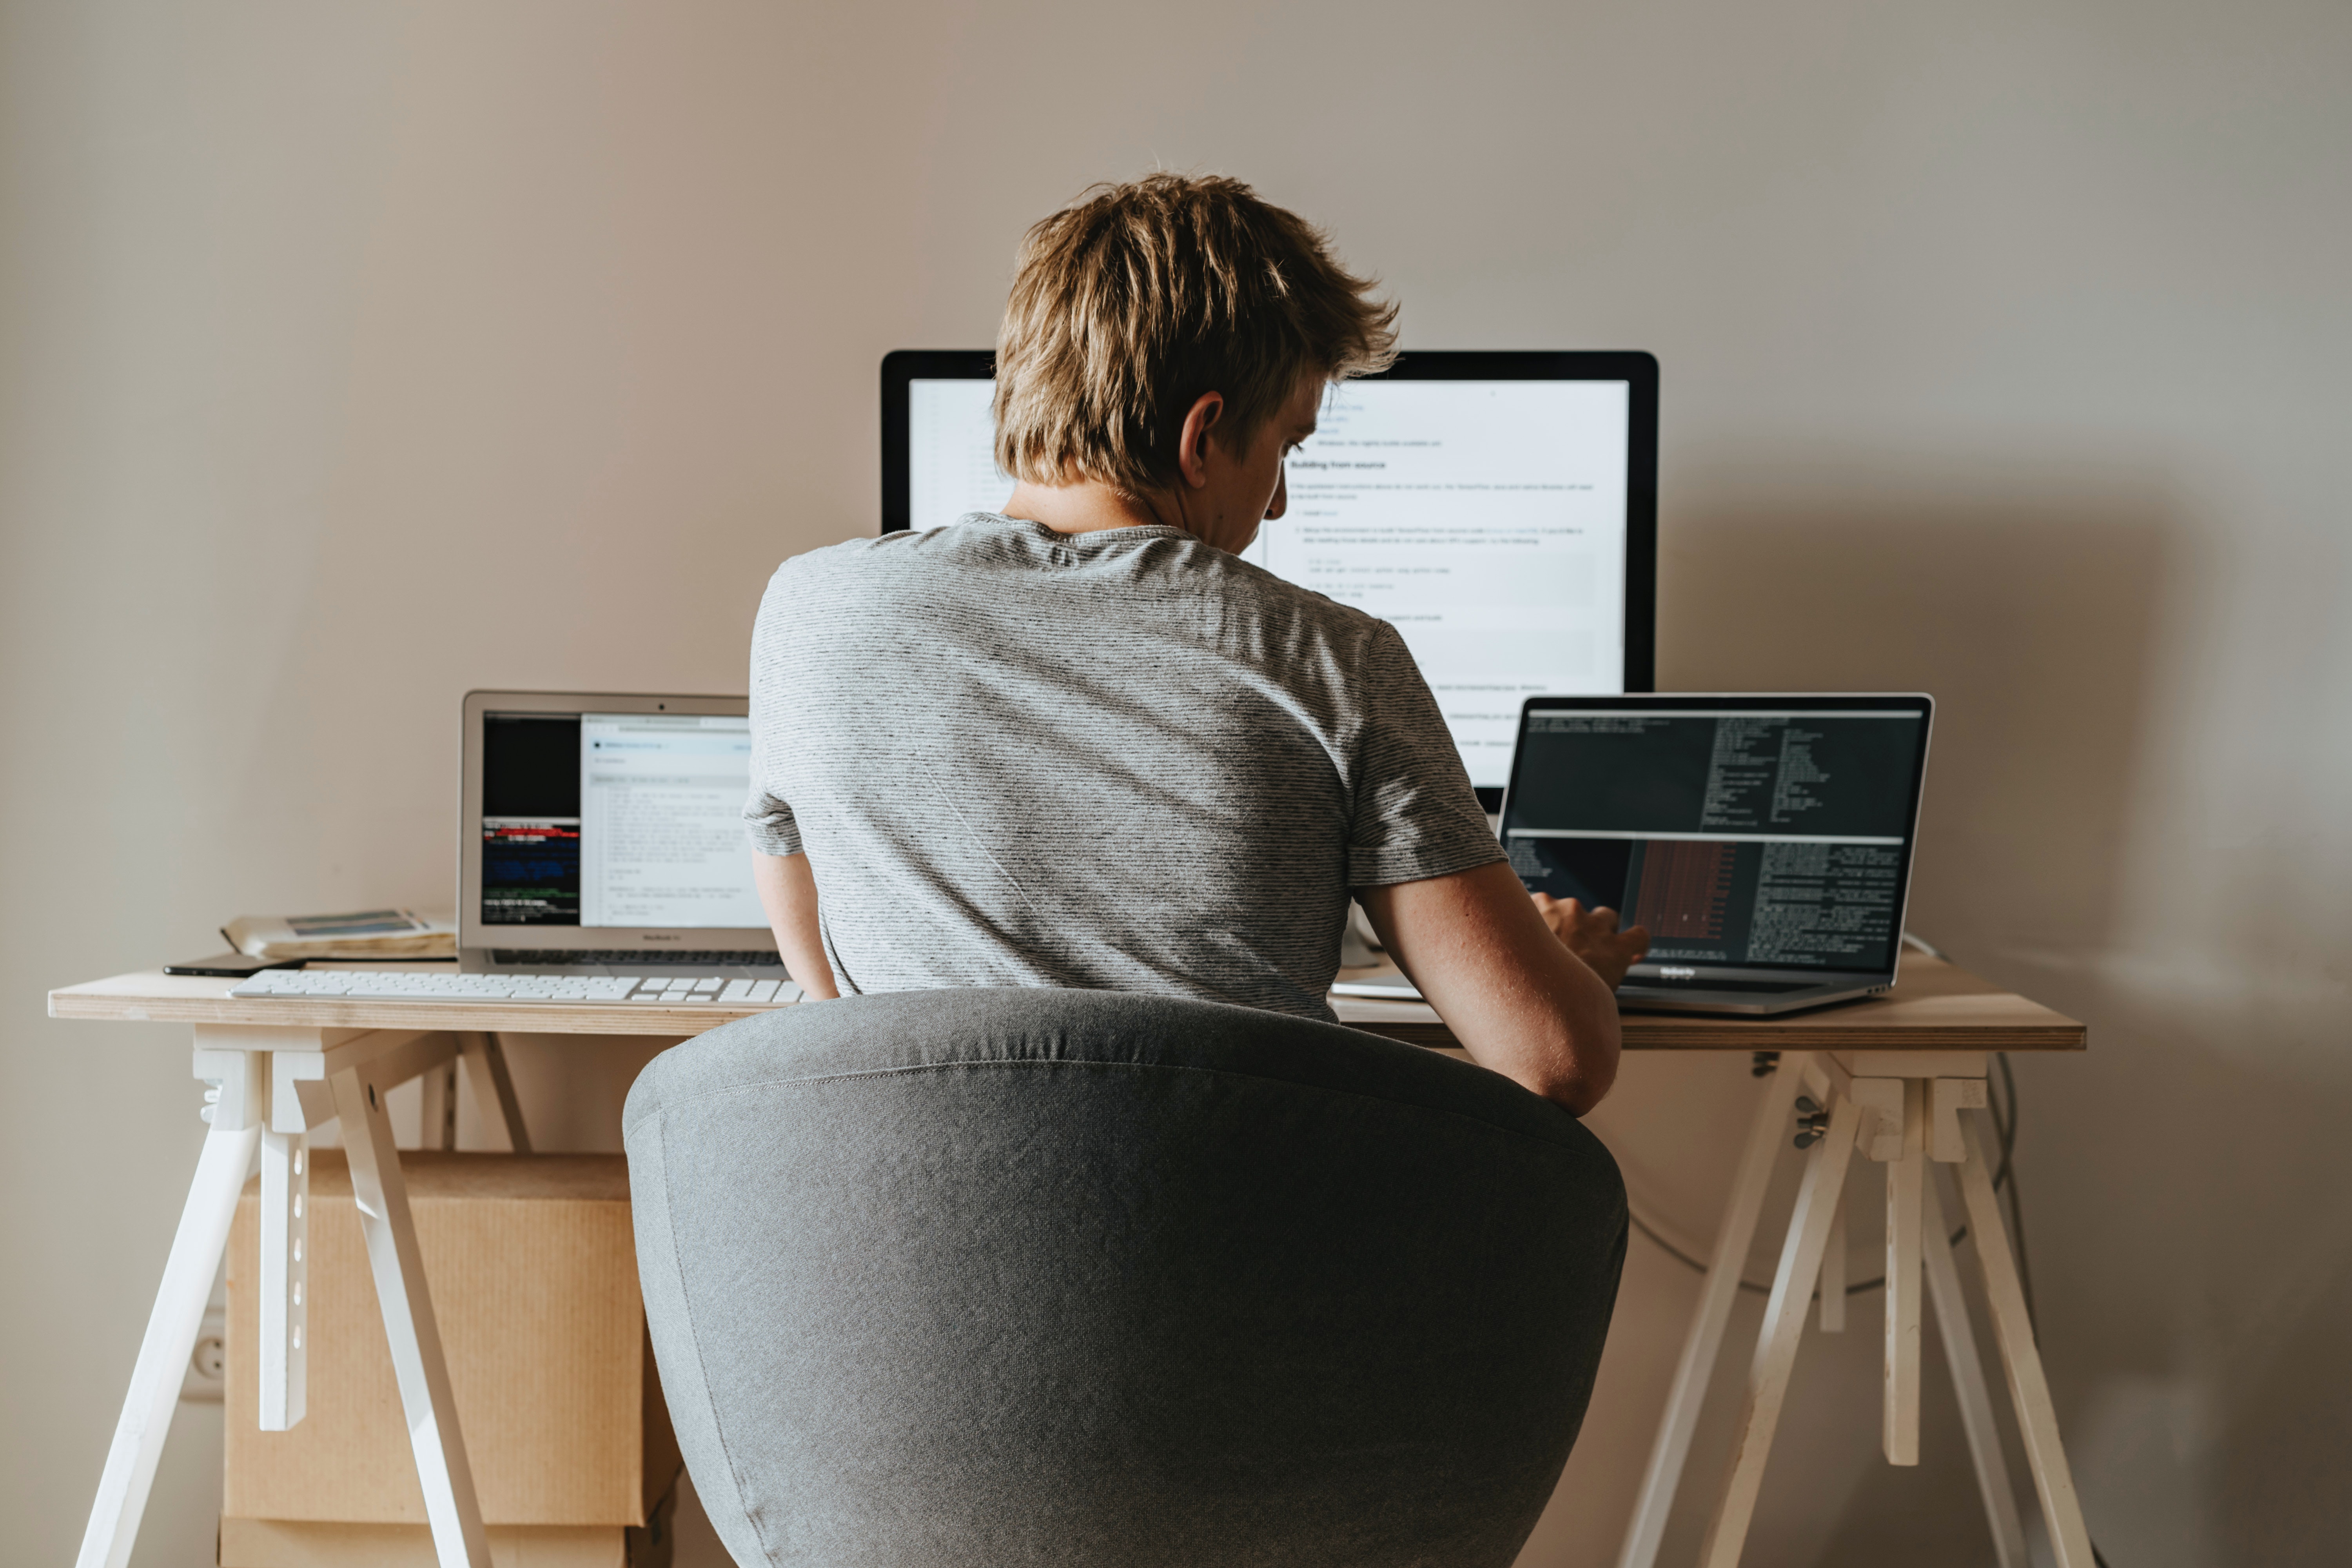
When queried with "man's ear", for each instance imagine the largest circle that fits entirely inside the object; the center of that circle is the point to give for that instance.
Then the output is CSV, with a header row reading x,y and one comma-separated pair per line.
x,y
1192,445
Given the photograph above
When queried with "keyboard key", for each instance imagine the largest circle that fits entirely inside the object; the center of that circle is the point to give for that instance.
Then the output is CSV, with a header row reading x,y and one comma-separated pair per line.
x,y
761,990
738,991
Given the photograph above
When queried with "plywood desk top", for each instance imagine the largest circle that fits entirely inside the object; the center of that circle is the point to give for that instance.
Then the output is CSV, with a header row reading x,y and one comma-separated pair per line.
x,y
206,999
1936,1007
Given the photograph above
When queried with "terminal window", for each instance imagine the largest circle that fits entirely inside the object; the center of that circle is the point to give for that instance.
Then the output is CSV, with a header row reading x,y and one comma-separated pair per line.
x,y
1767,839
531,819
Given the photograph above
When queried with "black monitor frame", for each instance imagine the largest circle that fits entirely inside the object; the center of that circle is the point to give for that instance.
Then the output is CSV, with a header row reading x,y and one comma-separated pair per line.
x,y
1639,371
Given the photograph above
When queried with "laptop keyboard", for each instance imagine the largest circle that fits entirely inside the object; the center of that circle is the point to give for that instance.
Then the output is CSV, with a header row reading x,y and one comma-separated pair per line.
x,y
414,985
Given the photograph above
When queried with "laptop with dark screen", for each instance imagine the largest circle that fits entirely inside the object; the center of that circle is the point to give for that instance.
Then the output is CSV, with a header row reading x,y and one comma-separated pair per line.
x,y
1764,840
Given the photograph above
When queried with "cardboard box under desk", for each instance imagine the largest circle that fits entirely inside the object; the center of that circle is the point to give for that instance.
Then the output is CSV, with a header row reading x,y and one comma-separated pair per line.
x,y
533,1275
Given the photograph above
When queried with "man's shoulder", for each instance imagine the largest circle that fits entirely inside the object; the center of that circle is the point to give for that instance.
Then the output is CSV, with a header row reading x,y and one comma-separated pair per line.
x,y
859,552
1166,567
852,565
1278,597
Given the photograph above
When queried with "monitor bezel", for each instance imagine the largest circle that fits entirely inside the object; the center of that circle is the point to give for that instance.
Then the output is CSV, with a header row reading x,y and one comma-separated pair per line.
x,y
1919,702
1638,370
475,936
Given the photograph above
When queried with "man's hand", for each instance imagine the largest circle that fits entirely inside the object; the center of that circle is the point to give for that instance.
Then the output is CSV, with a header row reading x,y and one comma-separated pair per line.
x,y
1592,935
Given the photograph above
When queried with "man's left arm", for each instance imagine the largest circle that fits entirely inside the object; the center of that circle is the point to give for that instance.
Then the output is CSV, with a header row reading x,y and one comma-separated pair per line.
x,y
788,892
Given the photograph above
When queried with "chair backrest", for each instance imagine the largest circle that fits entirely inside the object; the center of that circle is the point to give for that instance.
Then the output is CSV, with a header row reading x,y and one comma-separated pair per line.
x,y
1060,1277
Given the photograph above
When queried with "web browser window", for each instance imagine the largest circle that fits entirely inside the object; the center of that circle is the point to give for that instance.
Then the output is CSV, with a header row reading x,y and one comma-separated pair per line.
x,y
661,820
1486,520
952,451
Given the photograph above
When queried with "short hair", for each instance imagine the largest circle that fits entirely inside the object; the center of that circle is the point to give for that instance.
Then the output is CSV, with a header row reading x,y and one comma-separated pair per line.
x,y
1135,300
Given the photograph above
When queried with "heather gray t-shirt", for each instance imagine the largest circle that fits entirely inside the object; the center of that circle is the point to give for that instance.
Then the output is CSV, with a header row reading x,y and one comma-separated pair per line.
x,y
1120,761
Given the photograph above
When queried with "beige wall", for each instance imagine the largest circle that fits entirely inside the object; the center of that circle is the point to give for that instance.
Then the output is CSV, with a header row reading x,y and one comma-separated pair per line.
x,y
352,355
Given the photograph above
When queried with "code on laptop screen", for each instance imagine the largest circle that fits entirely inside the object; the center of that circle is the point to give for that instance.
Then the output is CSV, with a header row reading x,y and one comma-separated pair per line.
x,y
1747,838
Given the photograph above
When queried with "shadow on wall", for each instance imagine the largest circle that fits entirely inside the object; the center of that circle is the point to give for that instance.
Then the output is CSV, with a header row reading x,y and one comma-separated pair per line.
x,y
2029,615
2030,611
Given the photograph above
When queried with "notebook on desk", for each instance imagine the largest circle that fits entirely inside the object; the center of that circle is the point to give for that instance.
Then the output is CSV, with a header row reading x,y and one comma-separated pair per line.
x,y
1765,841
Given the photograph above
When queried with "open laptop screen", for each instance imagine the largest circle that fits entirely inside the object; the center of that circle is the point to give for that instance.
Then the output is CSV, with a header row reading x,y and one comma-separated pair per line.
x,y
1748,833
616,820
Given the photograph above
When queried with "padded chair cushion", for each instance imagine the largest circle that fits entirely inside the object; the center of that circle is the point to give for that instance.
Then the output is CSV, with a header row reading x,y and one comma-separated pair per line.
x,y
1059,1276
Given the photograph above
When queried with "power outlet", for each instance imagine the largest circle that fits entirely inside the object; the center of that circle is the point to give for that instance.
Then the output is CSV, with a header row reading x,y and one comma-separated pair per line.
x,y
206,1380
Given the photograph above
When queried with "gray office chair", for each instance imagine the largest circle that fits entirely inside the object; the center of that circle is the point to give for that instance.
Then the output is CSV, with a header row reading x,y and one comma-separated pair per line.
x,y
1053,1277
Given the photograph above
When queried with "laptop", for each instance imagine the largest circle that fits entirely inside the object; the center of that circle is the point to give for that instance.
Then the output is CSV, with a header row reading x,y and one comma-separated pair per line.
x,y
1764,840
601,859
602,833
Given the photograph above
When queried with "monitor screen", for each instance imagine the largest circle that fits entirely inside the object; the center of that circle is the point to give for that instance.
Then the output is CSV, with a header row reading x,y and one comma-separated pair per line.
x,y
1497,509
616,821
1774,839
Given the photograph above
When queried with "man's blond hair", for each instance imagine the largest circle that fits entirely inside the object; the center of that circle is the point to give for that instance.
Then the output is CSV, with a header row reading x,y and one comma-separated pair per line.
x,y
1131,304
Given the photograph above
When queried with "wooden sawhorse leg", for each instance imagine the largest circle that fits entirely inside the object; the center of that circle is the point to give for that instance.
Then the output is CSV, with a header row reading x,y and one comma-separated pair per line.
x,y
1901,1121
1784,1325
1975,1395
275,1086
1904,1114
2037,1417
1672,1447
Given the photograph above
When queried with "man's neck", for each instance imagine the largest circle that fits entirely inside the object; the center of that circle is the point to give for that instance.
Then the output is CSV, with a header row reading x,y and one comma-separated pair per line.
x,y
1084,507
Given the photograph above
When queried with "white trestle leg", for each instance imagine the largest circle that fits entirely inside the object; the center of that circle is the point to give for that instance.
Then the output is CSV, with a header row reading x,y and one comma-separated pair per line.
x,y
285,1278
418,1365
179,1310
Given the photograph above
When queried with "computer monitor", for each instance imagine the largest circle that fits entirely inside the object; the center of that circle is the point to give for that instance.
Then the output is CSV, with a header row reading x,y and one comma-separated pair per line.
x,y
606,829
1500,509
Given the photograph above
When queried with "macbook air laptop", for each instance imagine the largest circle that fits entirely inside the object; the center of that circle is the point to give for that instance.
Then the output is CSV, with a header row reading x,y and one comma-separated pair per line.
x,y
602,834
1765,841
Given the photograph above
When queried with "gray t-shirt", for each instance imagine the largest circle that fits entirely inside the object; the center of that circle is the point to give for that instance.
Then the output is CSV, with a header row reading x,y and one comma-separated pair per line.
x,y
1123,761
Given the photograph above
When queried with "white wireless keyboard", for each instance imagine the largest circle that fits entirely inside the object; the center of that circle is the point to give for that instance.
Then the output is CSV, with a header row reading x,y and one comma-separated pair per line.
x,y
414,985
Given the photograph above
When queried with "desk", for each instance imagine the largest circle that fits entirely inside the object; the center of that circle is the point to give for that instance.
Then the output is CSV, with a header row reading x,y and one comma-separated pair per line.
x,y
1887,1078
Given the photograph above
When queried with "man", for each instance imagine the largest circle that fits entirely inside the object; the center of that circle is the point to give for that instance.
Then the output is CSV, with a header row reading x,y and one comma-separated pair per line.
x,y
1080,742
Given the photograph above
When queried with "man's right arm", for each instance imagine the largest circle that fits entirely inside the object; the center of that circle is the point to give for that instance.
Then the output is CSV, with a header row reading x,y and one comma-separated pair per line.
x,y
1519,1001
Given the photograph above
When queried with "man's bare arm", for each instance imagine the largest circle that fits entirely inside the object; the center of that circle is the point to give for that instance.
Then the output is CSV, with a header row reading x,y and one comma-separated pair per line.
x,y
1519,1001
788,892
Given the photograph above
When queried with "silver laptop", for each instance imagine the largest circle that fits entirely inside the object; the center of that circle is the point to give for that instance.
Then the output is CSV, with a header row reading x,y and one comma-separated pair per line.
x,y
1764,840
602,834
